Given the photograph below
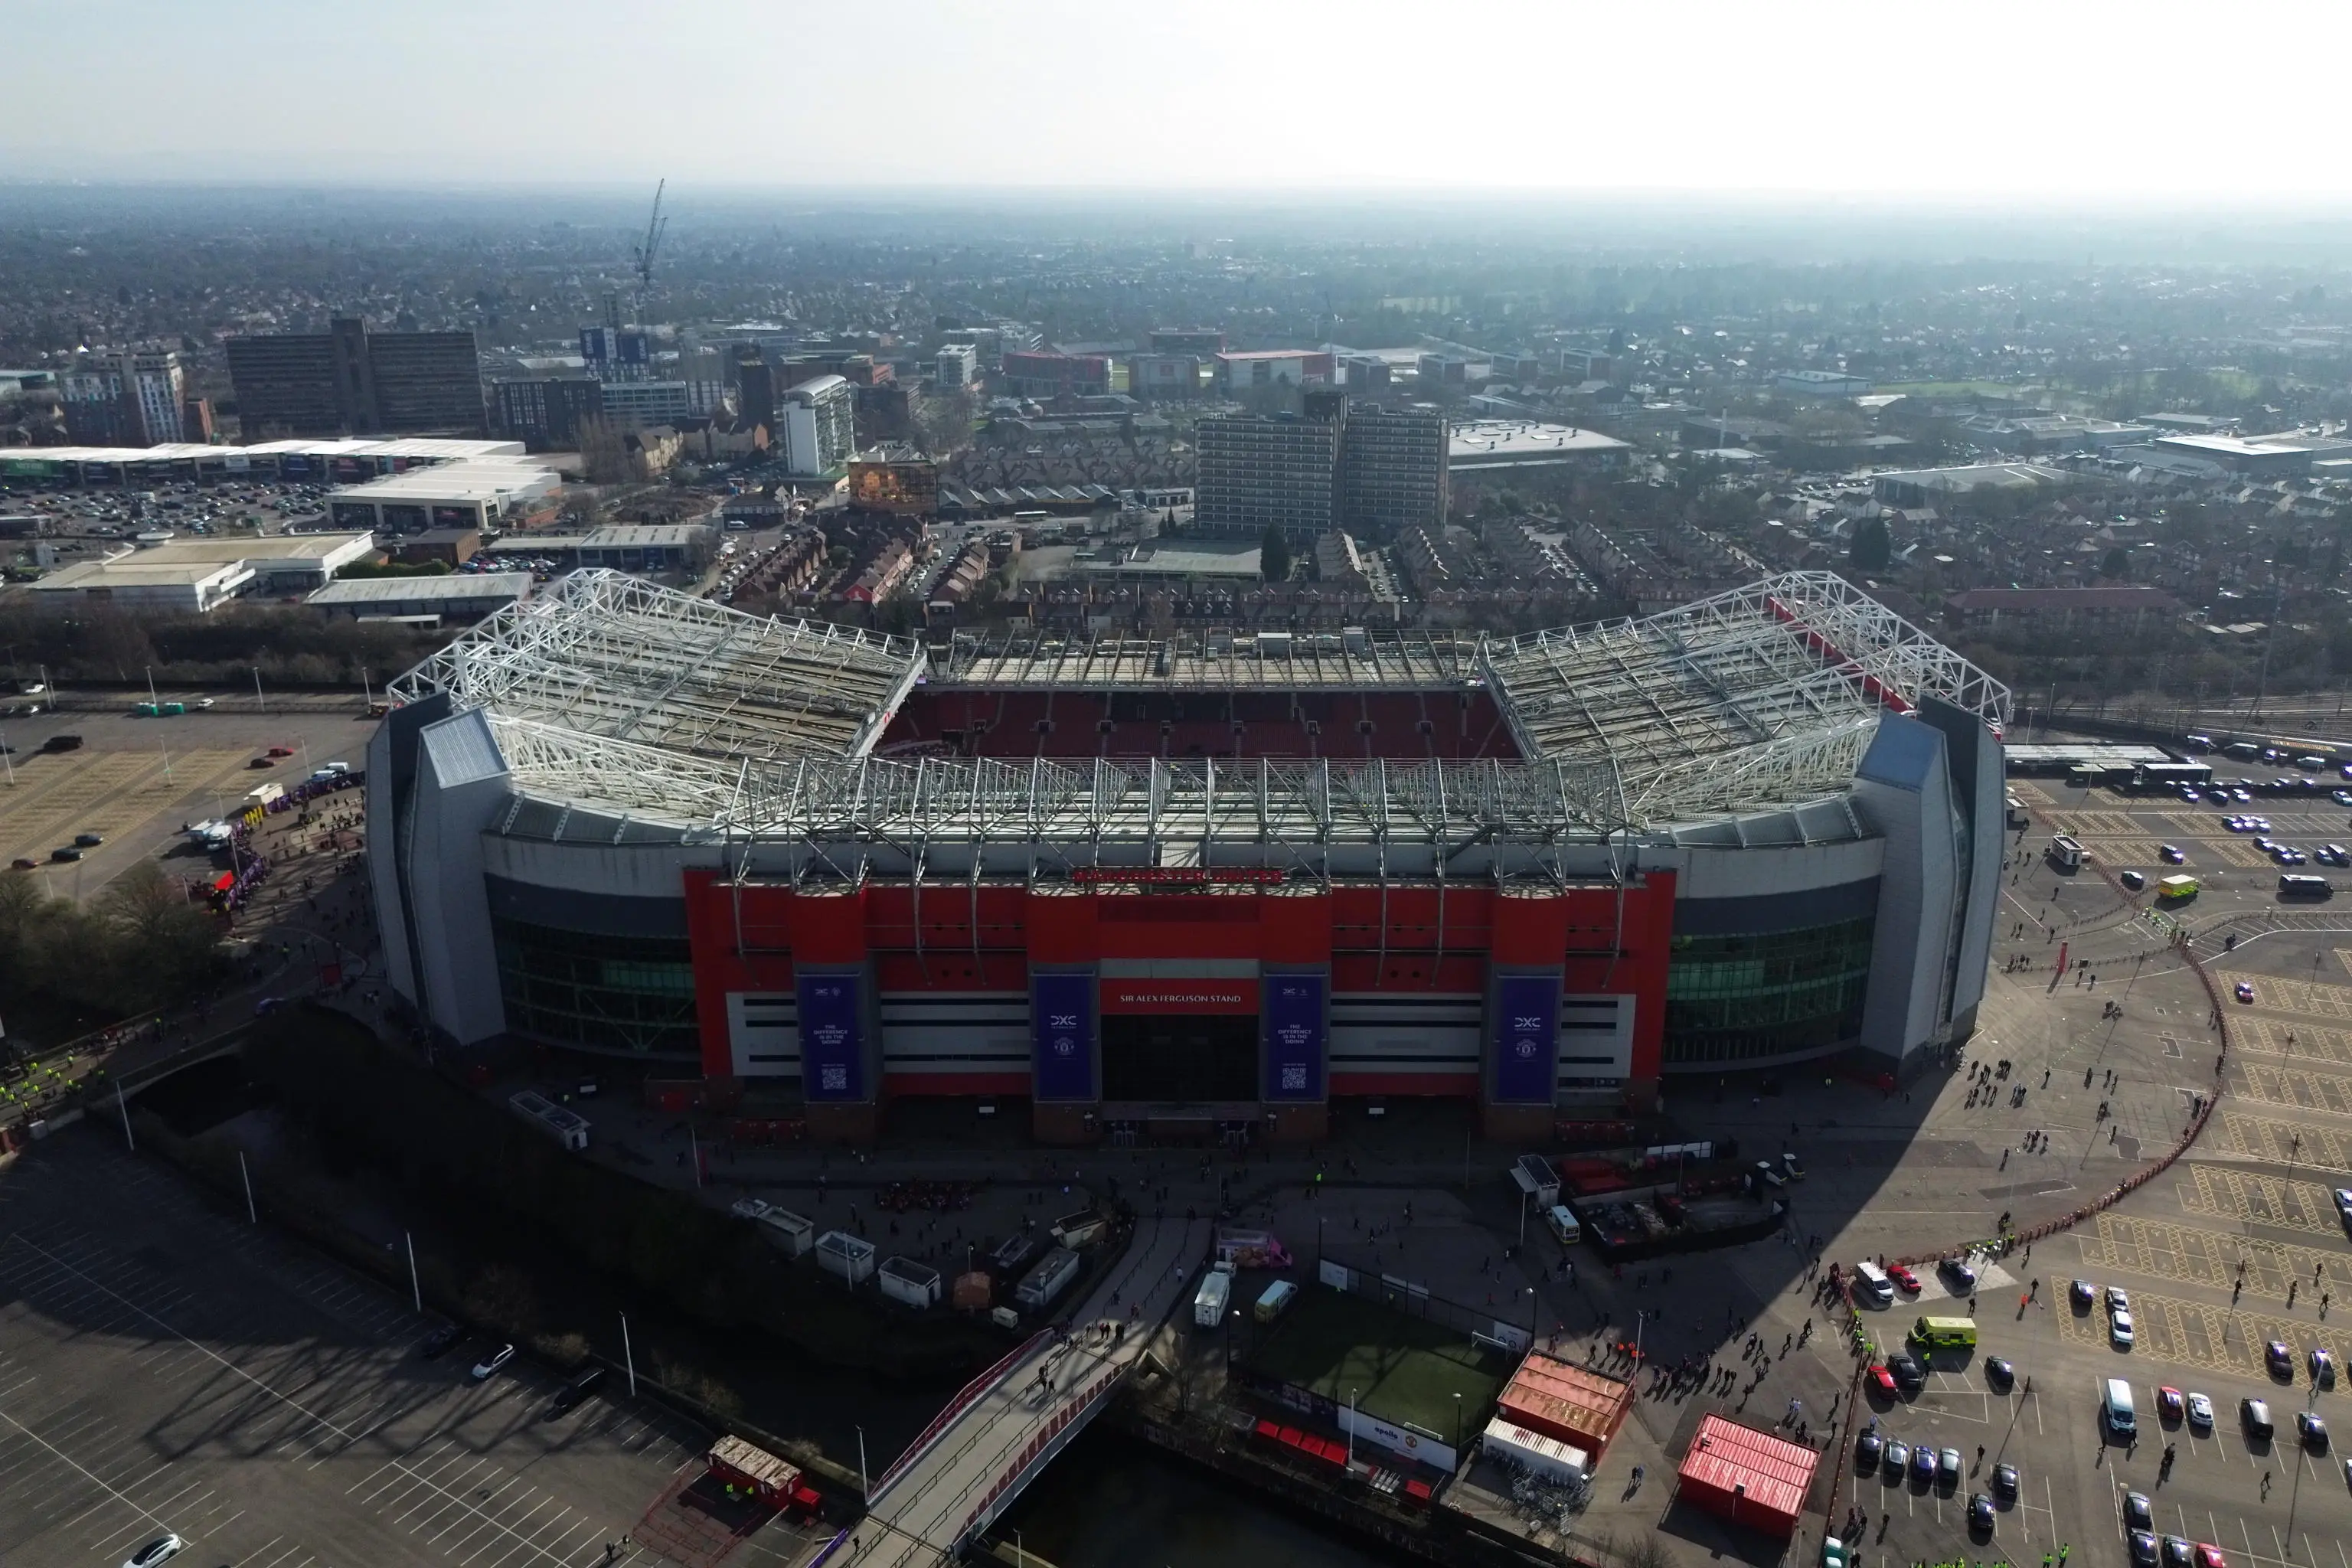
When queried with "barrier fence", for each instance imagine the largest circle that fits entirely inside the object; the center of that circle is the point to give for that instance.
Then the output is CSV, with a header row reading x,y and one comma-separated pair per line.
x,y
2116,1194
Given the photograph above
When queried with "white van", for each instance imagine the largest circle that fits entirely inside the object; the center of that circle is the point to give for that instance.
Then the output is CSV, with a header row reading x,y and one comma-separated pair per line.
x,y
2122,1420
1563,1225
1871,1284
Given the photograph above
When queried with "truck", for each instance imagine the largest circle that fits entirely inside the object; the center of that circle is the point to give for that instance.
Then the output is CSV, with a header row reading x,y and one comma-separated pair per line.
x,y
1536,1180
2066,852
1210,1301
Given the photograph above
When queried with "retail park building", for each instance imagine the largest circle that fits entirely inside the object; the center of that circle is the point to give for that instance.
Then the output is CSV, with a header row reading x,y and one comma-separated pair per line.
x,y
1209,882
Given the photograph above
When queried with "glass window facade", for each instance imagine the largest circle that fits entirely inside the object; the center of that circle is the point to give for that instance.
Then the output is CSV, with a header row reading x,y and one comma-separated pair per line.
x,y
1741,998
625,994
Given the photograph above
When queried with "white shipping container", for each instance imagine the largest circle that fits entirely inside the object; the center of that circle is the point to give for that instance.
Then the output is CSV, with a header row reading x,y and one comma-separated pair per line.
x,y
787,1232
1547,1458
1049,1279
916,1284
850,1257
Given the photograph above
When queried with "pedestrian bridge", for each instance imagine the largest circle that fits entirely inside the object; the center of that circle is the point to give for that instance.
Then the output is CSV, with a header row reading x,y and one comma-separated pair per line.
x,y
1008,1424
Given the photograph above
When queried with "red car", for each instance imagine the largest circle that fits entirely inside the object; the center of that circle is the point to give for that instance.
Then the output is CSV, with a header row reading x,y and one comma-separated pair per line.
x,y
2210,1556
1903,1277
282,750
2169,1404
1886,1380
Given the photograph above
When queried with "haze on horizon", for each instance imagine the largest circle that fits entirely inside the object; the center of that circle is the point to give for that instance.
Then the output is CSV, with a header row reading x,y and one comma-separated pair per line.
x,y
2087,105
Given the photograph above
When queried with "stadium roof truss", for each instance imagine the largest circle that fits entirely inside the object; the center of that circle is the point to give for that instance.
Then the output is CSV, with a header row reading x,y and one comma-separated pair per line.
x,y
618,658
1303,661
633,700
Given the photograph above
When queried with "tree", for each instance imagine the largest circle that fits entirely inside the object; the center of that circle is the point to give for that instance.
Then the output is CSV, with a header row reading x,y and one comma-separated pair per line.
x,y
2117,562
1274,556
1871,549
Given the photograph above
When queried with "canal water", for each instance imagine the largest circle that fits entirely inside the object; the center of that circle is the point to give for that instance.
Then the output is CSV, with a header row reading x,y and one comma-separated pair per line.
x,y
1114,1502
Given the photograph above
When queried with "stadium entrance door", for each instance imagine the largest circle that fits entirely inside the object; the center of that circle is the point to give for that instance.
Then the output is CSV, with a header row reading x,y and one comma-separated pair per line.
x,y
1183,1058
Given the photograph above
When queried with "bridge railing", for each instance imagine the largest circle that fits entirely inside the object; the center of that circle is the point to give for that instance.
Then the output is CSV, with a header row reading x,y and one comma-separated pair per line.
x,y
971,1393
1047,1441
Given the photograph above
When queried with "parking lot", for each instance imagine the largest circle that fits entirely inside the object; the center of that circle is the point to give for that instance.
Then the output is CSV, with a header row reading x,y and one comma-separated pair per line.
x,y
135,781
2237,1245
165,1368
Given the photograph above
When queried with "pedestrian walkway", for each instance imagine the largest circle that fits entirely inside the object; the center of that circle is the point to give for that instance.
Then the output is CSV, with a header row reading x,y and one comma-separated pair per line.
x,y
1008,1424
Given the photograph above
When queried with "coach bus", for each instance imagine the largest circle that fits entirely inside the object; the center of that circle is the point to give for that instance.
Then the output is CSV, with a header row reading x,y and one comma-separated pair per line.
x,y
2295,887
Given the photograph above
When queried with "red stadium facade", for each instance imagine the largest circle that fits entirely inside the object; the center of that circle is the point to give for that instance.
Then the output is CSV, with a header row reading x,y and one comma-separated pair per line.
x,y
1392,991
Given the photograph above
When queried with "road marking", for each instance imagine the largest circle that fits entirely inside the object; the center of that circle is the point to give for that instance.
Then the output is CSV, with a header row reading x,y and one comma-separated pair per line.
x,y
2265,1200
223,1360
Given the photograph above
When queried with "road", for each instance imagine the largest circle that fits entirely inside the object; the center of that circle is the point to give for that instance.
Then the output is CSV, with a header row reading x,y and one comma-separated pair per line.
x,y
918,1514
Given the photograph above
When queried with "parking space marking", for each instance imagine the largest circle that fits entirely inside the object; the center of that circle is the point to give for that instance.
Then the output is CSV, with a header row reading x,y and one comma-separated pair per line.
x,y
2272,1084
2193,1333
425,1486
2275,993
2264,1200
2163,1250
2299,1042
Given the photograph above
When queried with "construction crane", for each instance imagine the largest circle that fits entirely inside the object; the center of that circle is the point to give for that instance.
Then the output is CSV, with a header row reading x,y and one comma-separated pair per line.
x,y
642,256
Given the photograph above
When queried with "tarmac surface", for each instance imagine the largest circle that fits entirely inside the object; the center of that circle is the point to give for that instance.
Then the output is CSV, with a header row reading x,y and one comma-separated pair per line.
x,y
165,1368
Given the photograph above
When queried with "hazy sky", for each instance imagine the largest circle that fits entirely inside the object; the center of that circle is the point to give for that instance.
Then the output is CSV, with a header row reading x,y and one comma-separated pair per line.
x,y
2055,100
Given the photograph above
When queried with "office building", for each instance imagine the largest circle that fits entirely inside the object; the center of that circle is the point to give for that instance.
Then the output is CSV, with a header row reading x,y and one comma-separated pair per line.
x,y
636,403
959,365
1392,472
1238,373
817,426
545,412
1049,375
348,381
615,353
755,387
136,397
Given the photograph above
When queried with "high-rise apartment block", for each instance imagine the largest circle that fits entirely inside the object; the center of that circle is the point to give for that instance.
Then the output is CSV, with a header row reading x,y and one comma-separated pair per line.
x,y
1359,467
136,397
348,381
545,412
1392,469
817,426
1271,470
959,365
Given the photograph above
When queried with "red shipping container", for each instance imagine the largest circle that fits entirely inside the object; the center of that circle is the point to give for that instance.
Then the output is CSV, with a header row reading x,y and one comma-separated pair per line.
x,y
1749,1477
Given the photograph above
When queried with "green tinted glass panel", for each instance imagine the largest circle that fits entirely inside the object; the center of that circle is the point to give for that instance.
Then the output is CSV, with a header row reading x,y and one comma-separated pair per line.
x,y
1741,998
630,994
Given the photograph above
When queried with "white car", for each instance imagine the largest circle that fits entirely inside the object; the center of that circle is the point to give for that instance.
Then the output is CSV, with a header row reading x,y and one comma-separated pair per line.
x,y
488,1365
2119,1325
163,1548
2200,1412
2117,1301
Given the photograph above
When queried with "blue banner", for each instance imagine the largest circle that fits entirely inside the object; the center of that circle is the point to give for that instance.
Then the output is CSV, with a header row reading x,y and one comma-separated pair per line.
x,y
1062,1025
833,1038
1294,1036
1526,1038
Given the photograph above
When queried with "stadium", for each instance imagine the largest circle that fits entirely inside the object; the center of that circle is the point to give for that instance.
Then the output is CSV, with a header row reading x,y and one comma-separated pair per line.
x,y
1211,879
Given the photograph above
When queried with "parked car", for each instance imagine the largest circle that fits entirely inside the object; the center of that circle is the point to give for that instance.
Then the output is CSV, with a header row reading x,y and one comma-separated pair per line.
x,y
2279,1359
438,1341
2201,1412
65,852
2254,1416
2312,1430
2082,1292
1898,1459
2138,1512
2170,855
1947,1465
488,1365
88,840
2004,1482
2244,991
1866,1450
1981,1514
1903,1277
577,1389
1999,1373
163,1548
2167,1403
